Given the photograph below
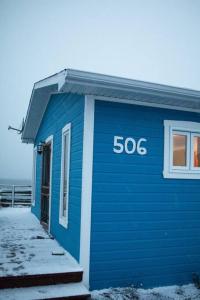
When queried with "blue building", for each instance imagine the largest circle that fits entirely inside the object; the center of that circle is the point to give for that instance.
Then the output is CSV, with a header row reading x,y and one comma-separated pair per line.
x,y
116,176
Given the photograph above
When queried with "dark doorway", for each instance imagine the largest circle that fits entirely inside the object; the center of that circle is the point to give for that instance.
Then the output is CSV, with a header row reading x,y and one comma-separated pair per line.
x,y
45,189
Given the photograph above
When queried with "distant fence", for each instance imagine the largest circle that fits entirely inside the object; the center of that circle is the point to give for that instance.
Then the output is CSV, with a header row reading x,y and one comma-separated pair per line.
x,y
15,195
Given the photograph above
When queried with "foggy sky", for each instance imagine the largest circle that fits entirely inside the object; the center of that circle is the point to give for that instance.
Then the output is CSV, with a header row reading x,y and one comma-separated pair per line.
x,y
156,41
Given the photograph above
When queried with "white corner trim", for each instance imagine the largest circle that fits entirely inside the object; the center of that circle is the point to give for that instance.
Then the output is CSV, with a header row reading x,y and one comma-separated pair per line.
x,y
49,140
86,193
64,221
189,129
34,171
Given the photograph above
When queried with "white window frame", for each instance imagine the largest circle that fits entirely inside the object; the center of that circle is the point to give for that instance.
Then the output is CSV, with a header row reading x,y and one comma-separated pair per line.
x,y
183,168
194,134
49,140
64,221
190,129
34,171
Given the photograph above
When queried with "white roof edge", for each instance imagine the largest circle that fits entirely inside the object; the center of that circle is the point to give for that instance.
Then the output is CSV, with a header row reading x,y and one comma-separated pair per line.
x,y
58,78
55,79
66,75
43,89
78,75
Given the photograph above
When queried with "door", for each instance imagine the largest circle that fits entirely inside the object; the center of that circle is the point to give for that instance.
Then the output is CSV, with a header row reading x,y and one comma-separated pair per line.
x,y
45,189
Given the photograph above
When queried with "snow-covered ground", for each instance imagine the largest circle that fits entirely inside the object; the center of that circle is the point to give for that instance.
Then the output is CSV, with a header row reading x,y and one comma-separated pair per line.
x,y
26,248
185,292
44,292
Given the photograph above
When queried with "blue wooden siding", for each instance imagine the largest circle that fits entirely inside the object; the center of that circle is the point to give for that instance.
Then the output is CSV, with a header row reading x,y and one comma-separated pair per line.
x,y
145,229
62,109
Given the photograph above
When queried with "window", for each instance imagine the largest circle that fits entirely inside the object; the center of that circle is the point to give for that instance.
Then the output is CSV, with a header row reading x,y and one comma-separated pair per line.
x,y
181,150
65,165
196,150
34,175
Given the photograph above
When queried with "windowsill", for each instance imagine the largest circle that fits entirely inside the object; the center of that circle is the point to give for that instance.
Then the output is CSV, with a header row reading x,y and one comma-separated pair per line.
x,y
63,222
181,175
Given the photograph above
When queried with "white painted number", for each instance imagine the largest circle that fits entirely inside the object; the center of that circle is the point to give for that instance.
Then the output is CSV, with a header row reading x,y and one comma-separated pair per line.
x,y
120,147
141,150
129,145
132,145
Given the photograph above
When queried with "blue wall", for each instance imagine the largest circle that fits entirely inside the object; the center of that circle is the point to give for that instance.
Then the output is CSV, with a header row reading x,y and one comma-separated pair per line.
x,y
145,229
62,109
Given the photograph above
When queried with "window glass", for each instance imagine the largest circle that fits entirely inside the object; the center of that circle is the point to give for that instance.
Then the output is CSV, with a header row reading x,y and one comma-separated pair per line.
x,y
179,150
196,142
46,165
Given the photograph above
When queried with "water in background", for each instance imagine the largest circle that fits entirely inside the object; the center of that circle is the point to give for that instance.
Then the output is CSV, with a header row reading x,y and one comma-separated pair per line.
x,y
21,192
15,181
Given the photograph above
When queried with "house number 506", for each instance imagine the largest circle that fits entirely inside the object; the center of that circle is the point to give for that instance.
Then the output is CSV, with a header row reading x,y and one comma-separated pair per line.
x,y
129,145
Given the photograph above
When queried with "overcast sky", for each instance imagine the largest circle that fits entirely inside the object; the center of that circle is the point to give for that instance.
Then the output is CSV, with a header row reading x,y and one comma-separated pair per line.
x,y
157,41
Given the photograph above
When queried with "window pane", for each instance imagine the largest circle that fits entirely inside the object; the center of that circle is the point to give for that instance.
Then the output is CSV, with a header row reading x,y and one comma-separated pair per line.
x,y
196,151
65,173
179,150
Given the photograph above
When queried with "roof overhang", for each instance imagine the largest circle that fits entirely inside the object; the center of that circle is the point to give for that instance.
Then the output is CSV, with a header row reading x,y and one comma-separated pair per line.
x,y
87,83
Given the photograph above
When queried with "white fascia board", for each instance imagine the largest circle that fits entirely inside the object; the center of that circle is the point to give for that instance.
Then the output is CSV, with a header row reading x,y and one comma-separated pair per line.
x,y
58,78
82,82
125,83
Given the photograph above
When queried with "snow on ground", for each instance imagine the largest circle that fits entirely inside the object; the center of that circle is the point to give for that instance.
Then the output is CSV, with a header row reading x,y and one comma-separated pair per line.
x,y
44,292
185,292
26,248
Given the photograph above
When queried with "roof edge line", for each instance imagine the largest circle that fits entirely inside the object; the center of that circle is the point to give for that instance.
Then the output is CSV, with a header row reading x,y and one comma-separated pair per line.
x,y
84,77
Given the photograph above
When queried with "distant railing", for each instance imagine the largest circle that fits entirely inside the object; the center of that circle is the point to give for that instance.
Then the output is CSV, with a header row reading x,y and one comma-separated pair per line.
x,y
15,195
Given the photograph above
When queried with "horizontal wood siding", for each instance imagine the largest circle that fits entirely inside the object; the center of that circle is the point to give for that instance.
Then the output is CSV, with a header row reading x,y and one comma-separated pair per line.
x,y
145,228
62,109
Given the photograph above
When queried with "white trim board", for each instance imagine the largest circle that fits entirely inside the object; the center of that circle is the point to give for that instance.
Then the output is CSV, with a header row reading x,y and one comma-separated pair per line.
x,y
64,221
49,140
58,78
86,193
183,125
84,83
